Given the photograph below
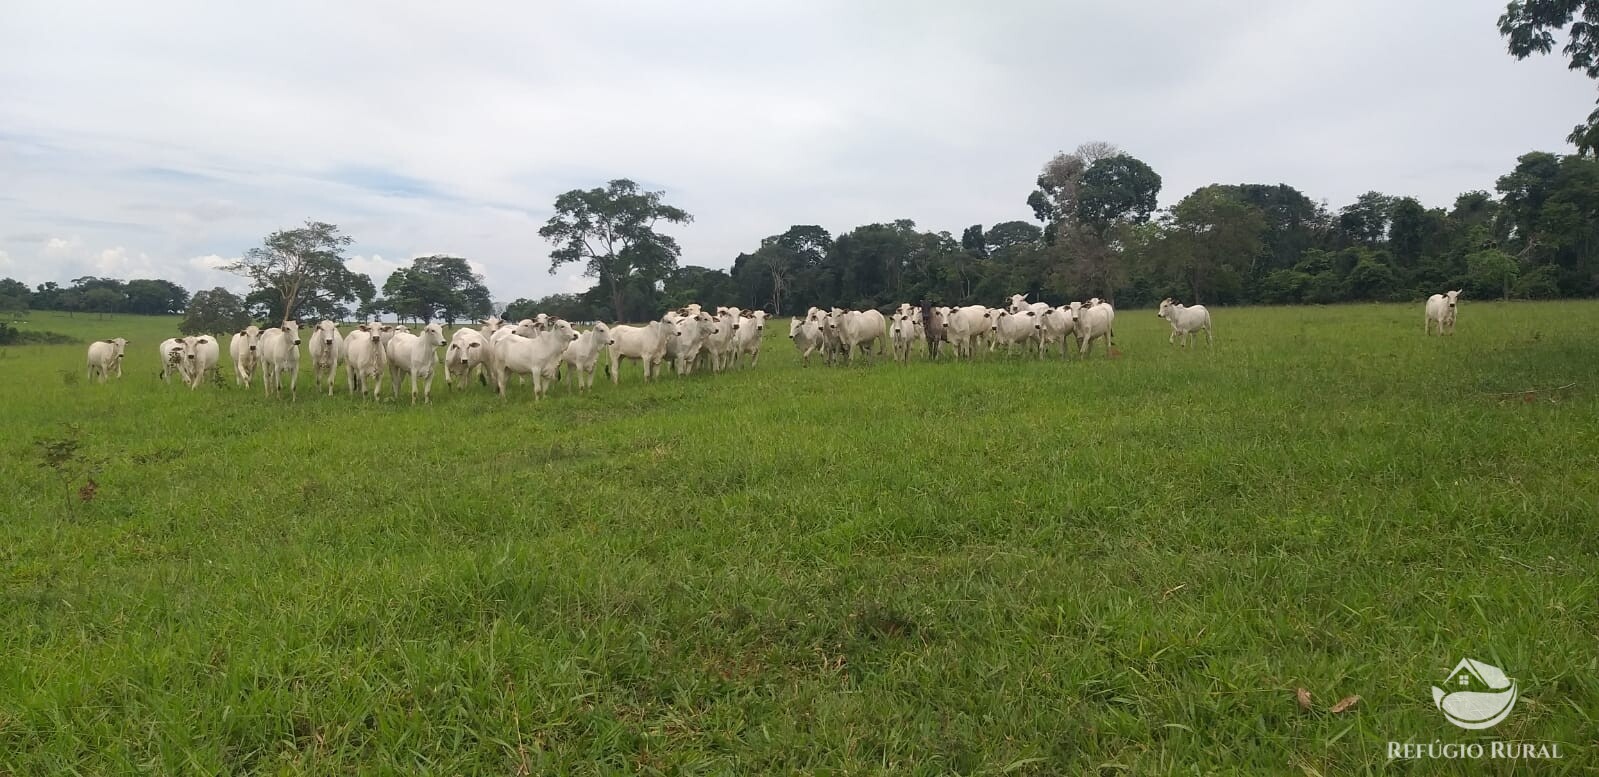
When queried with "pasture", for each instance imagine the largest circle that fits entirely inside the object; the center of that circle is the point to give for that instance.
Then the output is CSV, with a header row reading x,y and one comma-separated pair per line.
x,y
1119,566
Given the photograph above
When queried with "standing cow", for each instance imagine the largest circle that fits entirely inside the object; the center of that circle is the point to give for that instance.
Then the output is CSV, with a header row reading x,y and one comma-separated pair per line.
x,y
201,355
106,356
327,348
1441,309
244,350
1185,321
280,355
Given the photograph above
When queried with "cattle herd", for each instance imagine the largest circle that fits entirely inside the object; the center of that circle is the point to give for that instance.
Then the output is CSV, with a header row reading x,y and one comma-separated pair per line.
x,y
537,349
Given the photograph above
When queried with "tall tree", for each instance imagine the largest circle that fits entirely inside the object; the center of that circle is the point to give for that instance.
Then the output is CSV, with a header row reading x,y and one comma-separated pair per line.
x,y
154,297
1365,221
295,265
214,312
14,296
1117,189
437,286
1213,236
612,230
1530,26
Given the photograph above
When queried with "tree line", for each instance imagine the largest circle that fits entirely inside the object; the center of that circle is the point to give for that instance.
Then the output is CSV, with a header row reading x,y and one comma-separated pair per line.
x,y
1095,231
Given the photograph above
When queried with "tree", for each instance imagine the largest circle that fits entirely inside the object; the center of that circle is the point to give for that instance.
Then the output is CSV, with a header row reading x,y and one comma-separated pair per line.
x,y
438,286
1005,236
1528,24
103,300
154,297
1117,189
214,312
786,266
14,296
1213,237
1491,272
1371,278
972,241
300,266
612,230
1055,198
1365,221
698,284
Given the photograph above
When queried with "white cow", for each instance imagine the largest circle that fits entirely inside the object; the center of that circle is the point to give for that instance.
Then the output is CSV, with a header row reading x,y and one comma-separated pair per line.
x,y
365,359
860,329
1095,320
173,359
244,350
1024,327
327,348
646,343
1061,324
414,355
538,356
280,355
106,356
808,337
467,352
584,353
1185,321
719,345
202,354
1018,303
1441,309
902,335
750,329
688,337
964,326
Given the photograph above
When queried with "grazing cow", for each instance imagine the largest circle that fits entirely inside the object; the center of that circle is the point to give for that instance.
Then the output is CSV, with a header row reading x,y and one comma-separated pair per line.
x,y
1441,309
365,359
964,326
280,355
646,343
202,355
1096,320
902,335
689,336
808,337
466,354
244,350
173,359
1185,321
538,356
750,330
932,327
106,356
414,355
584,353
327,347
1025,327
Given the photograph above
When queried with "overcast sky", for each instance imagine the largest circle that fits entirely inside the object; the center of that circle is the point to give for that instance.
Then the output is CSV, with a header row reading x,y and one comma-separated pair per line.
x,y
159,139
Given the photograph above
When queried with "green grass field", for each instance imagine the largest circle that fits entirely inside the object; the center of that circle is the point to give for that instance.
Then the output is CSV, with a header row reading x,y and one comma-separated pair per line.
x,y
1117,566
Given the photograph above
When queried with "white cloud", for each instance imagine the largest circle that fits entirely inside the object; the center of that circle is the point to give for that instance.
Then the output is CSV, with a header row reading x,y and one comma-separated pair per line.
x,y
62,246
941,112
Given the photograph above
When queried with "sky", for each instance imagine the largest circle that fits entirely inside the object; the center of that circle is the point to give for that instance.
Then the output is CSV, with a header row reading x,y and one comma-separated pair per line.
x,y
163,139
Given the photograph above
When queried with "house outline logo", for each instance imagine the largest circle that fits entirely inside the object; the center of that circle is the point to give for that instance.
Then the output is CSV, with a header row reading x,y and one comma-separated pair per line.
x,y
1476,695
